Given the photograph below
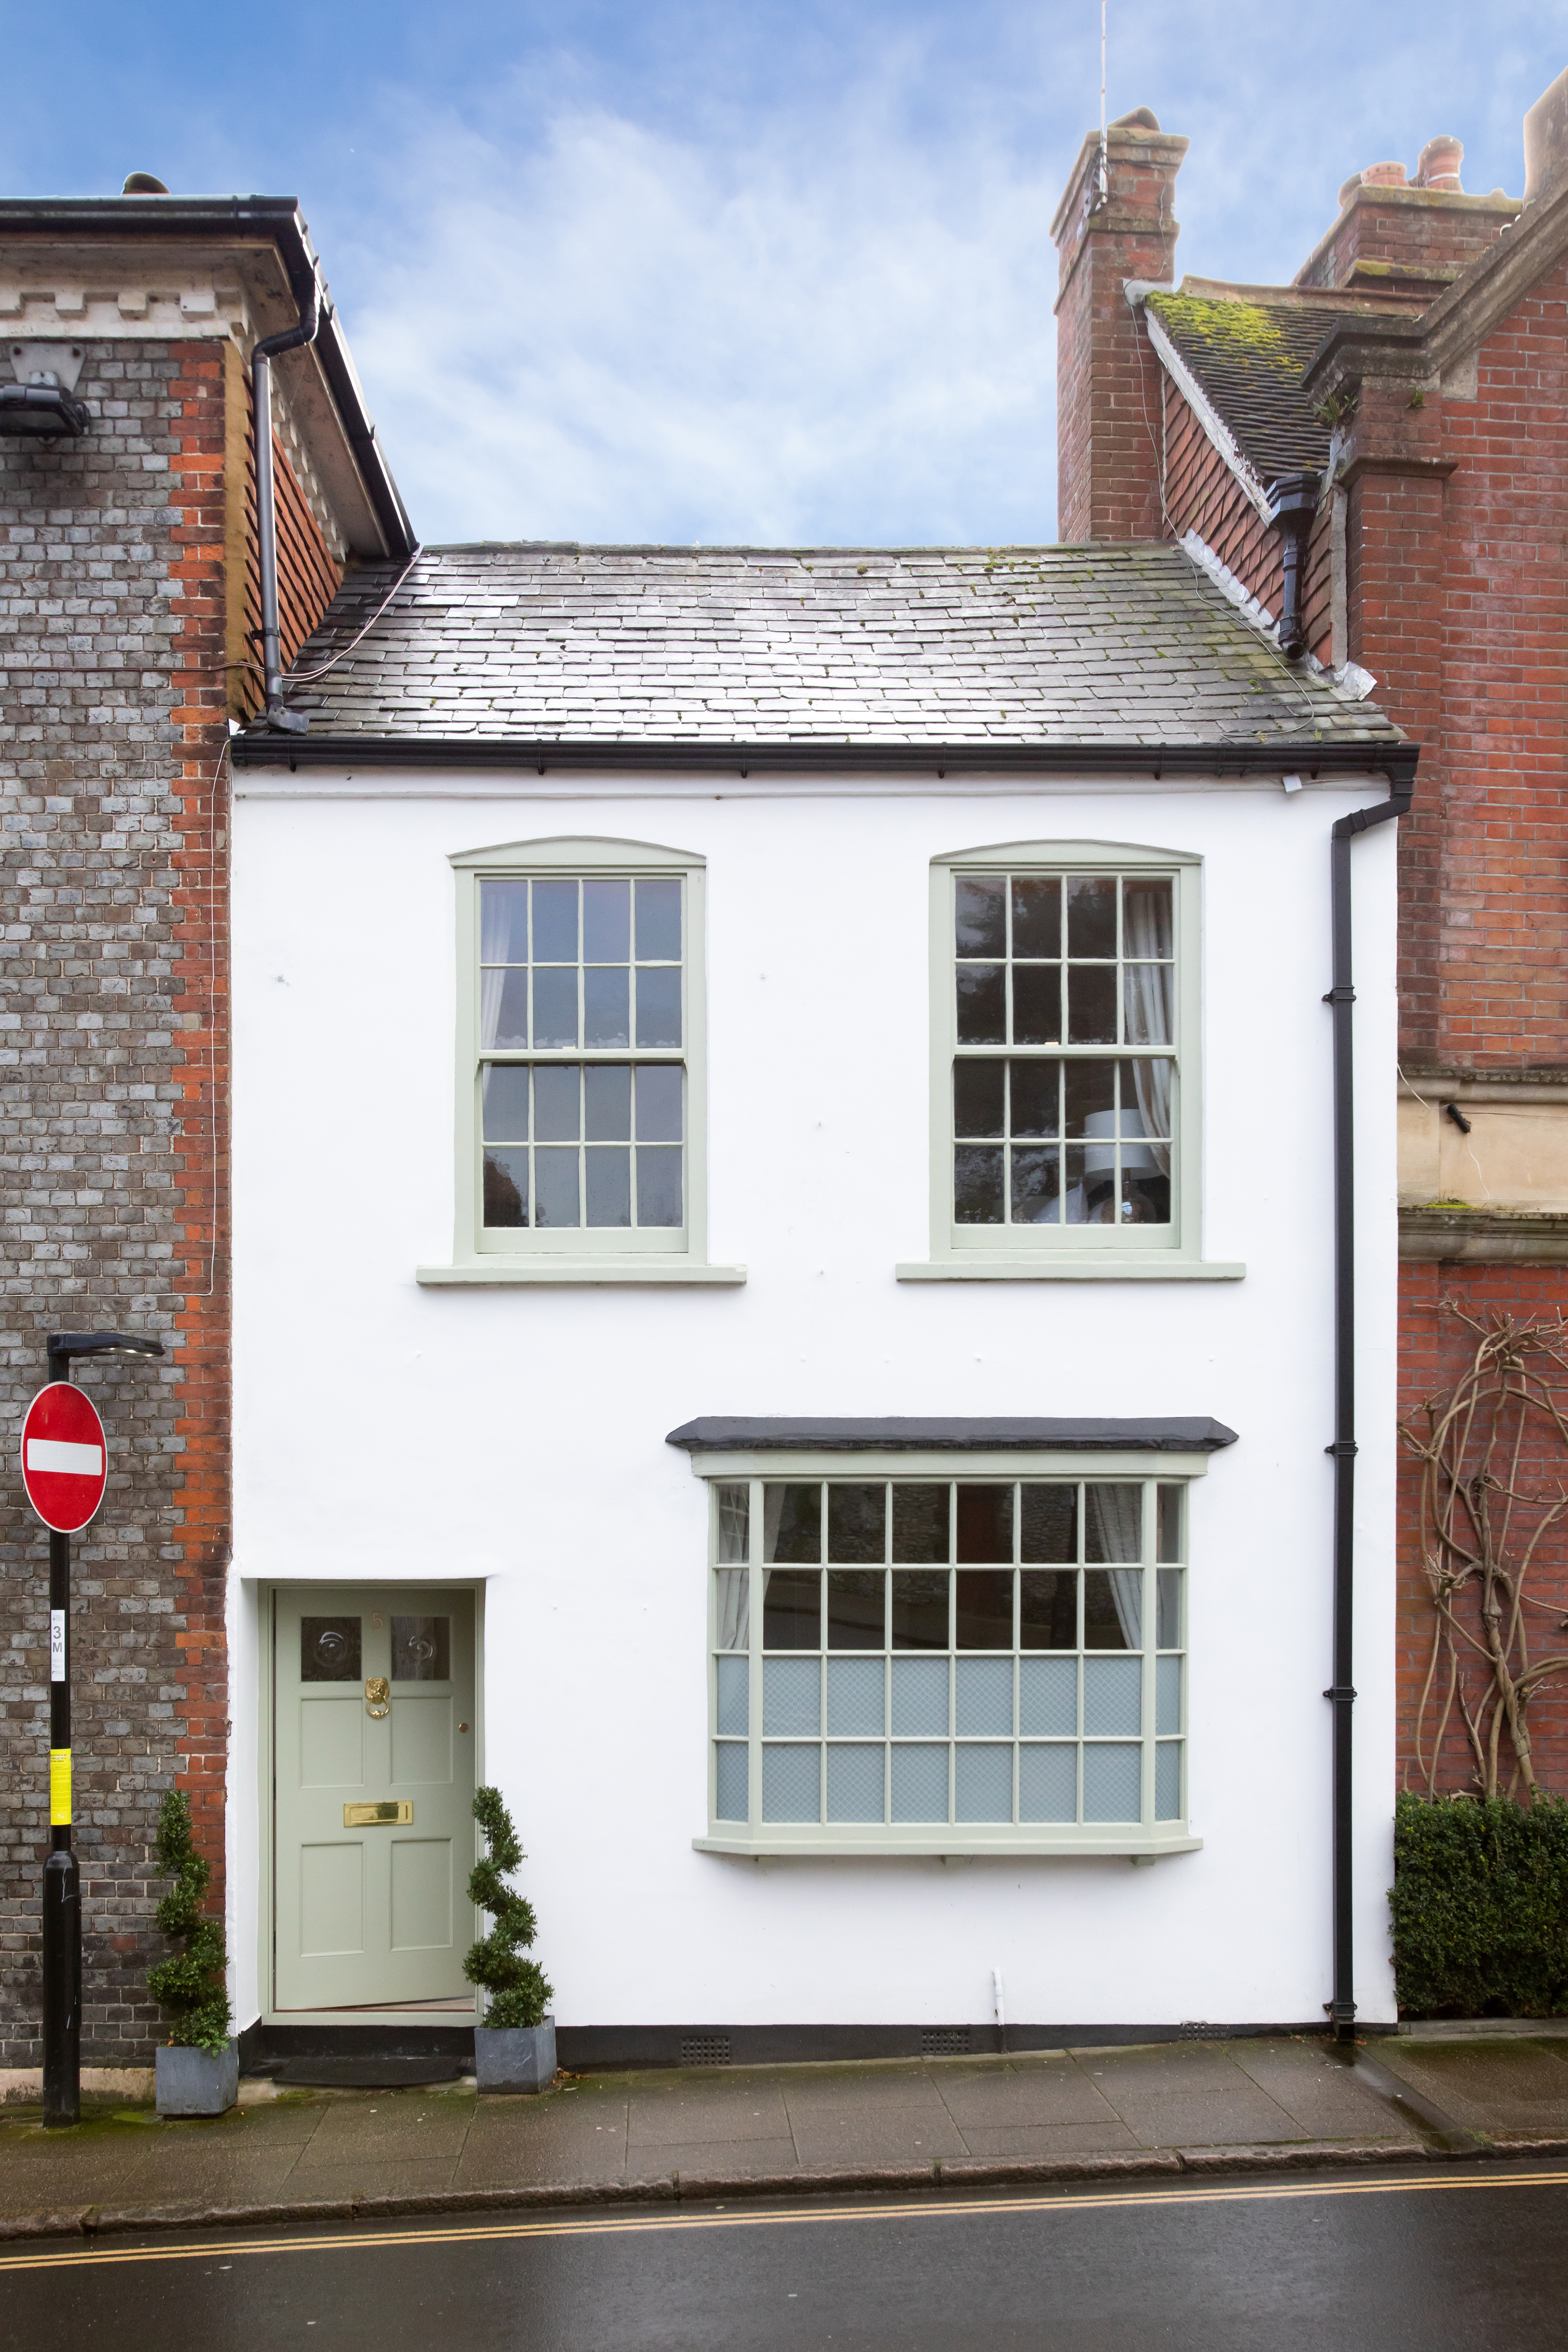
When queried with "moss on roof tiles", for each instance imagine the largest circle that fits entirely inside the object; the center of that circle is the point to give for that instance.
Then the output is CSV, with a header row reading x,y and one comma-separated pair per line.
x,y
1249,358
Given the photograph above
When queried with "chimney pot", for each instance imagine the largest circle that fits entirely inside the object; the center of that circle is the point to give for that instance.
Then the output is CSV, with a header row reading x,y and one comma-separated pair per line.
x,y
1383,175
1348,188
1438,166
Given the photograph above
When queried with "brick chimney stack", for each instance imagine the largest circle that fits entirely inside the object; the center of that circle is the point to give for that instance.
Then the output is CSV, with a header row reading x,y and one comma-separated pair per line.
x,y
1108,383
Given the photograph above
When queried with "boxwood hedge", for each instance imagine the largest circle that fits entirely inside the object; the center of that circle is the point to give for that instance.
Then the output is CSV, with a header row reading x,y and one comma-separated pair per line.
x,y
1479,1903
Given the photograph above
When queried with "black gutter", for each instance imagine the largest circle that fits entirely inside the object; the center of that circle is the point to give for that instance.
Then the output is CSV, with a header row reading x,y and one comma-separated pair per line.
x,y
1340,1694
274,219
1312,760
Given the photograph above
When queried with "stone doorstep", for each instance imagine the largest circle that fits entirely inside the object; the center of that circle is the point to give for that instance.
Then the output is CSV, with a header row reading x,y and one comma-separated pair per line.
x,y
964,2173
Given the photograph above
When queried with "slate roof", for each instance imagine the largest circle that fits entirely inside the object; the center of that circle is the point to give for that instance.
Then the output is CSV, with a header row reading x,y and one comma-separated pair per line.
x,y
1249,358
815,646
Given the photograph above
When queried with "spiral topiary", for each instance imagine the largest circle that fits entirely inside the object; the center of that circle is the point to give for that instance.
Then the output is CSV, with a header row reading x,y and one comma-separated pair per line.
x,y
519,1989
191,1984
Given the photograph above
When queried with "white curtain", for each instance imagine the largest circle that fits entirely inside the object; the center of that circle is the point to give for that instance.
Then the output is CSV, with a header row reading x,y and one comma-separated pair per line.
x,y
734,1609
1146,933
1115,1532
497,900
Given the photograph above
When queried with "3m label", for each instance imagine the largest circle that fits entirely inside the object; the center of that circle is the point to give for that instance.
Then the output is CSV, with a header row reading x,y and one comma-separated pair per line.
x,y
59,1788
57,1645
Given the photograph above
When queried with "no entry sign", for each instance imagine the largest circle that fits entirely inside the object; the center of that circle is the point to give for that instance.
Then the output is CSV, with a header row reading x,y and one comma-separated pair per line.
x,y
65,1461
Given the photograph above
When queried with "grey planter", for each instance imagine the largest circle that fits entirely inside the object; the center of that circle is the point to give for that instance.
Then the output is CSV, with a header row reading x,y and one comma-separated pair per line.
x,y
515,2057
192,2082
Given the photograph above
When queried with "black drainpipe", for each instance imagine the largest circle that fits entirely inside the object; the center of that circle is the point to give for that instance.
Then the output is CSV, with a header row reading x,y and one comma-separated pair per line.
x,y
1292,503
1401,774
275,714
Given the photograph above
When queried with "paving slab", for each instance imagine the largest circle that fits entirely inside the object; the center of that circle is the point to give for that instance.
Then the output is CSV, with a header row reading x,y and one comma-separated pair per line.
x,y
1497,2088
1178,2091
1318,2090
1053,2092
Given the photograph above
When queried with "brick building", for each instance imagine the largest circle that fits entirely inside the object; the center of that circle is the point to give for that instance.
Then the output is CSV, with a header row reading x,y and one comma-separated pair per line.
x,y
1372,461
128,613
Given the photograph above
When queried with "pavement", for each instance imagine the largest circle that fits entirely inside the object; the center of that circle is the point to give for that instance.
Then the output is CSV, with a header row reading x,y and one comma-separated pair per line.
x,y
1275,2103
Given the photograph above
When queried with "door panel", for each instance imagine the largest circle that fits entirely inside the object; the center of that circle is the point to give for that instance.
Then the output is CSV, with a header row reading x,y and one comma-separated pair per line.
x,y
370,1914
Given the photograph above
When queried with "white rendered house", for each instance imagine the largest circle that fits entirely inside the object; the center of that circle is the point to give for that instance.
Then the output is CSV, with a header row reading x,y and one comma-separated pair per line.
x,y
785,1276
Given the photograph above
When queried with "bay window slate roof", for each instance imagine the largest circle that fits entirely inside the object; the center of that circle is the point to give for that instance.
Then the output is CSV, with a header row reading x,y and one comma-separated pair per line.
x,y
1015,647
1249,358
724,1433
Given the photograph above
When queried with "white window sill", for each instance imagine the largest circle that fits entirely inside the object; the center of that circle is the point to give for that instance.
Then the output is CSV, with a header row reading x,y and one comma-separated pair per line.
x,y
494,1271
1052,1266
1132,1844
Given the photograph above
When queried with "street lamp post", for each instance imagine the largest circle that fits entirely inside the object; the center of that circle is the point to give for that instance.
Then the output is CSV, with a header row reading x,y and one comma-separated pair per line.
x,y
62,1880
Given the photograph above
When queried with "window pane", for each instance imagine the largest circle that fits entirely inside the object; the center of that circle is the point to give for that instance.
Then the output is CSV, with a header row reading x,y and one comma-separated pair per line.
x,y
1146,918
506,1186
920,1784
503,1008
986,1525
919,1524
1037,1004
504,1087
607,1019
1113,1521
1091,914
1047,1608
1169,1516
1037,915
659,1186
1036,1107
555,1006
733,1505
978,1097
1168,1782
555,922
329,1650
855,1604
606,923
1167,1694
556,1103
734,1695
732,1609
610,1187
982,1696
658,1103
792,1522
977,1184
855,1784
607,1102
1048,1697
1168,1609
1047,1784
855,1697
792,1609
981,904
984,1617
555,1174
1049,1522
1146,993
1112,1783
1090,1095
503,922
421,1649
856,1522
983,1784
1112,1695
920,1697
1145,1198
659,922
1091,1004
659,1005
791,1697
1036,1184
792,1784
919,1611
1089,1184
981,1003
1112,1608
730,1792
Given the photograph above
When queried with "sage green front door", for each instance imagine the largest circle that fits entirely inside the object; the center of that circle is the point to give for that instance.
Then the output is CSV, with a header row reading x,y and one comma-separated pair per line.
x,y
373,1778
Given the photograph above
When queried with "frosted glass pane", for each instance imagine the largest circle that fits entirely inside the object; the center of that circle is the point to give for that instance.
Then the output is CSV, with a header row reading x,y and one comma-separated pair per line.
x,y
1112,1695
920,1784
1167,1695
791,1697
729,1793
1168,1782
855,1697
920,1696
983,1697
855,1784
734,1702
983,1784
791,1784
1047,1784
1112,1783
1048,1697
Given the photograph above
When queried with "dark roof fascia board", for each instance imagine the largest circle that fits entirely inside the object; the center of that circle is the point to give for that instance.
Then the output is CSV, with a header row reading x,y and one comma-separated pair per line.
x,y
212,218
1396,761
723,1433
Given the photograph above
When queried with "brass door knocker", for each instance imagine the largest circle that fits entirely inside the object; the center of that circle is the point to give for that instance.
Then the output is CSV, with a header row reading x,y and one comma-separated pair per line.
x,y
378,1696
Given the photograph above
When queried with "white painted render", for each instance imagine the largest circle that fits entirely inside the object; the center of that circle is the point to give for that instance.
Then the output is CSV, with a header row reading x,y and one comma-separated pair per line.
x,y
514,1437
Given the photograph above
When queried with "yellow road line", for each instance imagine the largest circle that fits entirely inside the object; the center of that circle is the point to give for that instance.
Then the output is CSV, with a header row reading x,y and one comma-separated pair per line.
x,y
927,2210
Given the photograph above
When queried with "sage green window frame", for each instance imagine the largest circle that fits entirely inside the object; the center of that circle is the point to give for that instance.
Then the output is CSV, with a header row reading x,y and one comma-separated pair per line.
x,y
1048,1252
580,1253
1146,1839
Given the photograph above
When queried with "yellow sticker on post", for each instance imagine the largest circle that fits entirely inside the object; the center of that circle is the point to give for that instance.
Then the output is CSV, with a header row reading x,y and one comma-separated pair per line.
x,y
59,1788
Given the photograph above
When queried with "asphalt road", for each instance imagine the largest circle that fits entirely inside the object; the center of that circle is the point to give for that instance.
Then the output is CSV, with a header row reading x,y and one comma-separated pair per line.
x,y
1474,2258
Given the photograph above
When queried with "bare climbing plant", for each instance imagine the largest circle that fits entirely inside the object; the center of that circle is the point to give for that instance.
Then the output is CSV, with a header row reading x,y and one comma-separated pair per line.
x,y
1481,1448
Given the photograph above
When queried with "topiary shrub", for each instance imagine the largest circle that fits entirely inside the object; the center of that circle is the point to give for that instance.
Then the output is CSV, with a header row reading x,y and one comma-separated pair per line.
x,y
1479,1905
519,1989
191,1984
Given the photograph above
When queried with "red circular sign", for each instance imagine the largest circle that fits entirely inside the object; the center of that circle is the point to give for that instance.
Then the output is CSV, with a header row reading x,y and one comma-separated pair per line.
x,y
65,1459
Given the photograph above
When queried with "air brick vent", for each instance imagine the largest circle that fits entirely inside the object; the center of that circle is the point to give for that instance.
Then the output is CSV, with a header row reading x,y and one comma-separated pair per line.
x,y
944,2040
705,2049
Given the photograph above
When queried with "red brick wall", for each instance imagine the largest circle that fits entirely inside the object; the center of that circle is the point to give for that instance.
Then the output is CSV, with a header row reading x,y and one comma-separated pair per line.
x,y
1409,229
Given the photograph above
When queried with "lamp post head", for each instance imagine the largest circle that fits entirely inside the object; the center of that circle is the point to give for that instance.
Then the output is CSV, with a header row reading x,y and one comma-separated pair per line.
x,y
63,1345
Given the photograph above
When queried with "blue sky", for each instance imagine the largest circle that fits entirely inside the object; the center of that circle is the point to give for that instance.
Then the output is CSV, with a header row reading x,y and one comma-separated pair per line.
x,y
777,274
